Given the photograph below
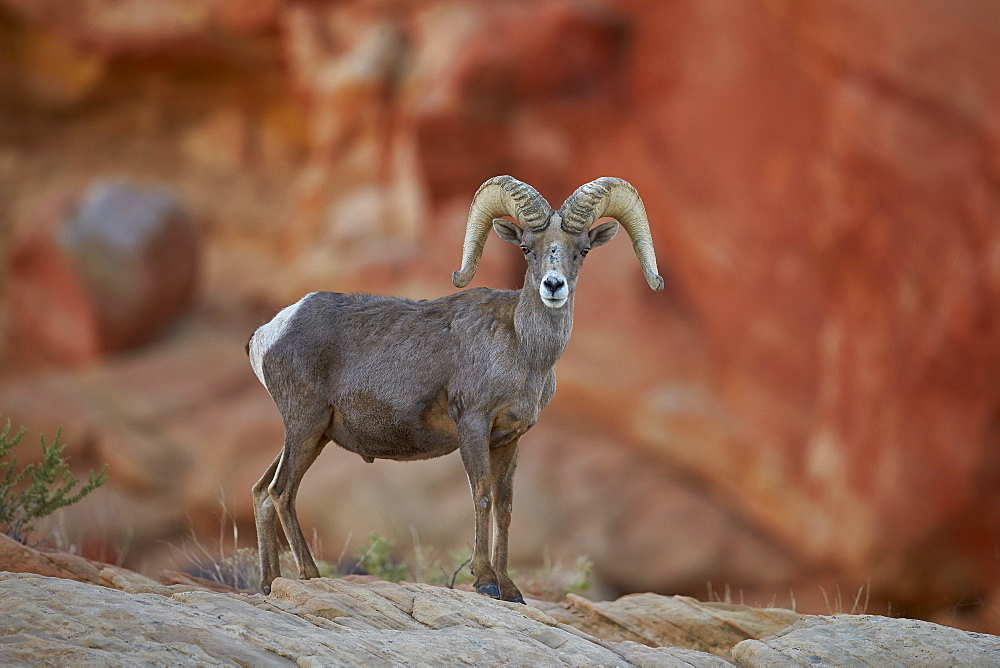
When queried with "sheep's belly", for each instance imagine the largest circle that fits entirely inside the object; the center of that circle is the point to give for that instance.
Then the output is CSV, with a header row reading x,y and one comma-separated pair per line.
x,y
376,430
400,446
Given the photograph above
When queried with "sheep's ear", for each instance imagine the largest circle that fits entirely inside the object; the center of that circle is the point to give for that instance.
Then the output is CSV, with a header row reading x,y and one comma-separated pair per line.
x,y
603,233
508,231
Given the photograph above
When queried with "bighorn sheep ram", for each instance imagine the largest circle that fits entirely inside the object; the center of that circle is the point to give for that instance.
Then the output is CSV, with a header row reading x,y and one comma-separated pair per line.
x,y
391,378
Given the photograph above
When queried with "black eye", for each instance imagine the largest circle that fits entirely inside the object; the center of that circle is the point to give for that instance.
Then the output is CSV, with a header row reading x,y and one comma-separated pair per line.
x,y
584,251
524,249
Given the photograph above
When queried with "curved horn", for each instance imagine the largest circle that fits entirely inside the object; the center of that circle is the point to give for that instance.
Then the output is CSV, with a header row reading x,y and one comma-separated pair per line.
x,y
500,196
616,198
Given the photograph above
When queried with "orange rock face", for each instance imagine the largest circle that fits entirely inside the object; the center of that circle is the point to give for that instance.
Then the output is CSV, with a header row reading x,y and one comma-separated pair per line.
x,y
823,186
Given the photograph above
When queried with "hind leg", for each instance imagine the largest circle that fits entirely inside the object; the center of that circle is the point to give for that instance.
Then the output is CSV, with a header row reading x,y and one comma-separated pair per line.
x,y
266,520
304,440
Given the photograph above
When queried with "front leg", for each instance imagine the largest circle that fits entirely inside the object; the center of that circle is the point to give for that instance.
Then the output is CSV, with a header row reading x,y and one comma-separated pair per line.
x,y
502,463
474,444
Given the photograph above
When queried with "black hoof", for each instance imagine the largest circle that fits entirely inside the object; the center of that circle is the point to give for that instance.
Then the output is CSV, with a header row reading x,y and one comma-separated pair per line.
x,y
491,590
516,600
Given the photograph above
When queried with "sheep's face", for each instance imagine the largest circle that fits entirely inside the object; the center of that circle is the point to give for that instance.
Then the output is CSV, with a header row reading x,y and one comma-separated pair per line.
x,y
554,256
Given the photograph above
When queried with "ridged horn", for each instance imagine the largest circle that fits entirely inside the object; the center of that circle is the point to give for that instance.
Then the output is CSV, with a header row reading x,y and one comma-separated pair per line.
x,y
498,197
616,198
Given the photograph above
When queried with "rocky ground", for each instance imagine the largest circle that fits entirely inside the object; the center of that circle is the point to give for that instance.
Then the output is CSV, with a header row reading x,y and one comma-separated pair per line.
x,y
71,611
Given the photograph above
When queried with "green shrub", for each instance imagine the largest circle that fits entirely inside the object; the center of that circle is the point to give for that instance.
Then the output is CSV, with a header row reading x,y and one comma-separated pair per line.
x,y
377,560
37,490
453,569
552,582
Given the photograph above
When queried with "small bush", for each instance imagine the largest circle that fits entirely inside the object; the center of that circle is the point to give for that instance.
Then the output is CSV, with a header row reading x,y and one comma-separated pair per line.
x,y
237,569
235,566
37,490
453,569
377,560
552,582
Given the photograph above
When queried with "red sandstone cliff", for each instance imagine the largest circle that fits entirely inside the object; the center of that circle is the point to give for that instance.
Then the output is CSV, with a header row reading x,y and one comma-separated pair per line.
x,y
814,397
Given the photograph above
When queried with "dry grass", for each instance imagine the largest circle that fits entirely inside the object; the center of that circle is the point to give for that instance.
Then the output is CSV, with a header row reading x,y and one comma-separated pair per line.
x,y
835,604
237,567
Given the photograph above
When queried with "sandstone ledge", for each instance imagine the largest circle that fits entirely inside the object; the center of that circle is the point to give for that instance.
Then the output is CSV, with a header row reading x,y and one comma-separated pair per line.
x,y
52,621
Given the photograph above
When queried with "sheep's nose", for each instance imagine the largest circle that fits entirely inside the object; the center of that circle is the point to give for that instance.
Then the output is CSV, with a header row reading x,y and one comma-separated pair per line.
x,y
553,283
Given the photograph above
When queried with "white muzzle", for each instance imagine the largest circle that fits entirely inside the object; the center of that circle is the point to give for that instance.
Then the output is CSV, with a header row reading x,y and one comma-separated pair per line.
x,y
553,289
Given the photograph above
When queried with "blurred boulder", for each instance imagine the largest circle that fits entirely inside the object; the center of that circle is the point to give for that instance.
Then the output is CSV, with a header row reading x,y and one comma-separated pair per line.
x,y
100,273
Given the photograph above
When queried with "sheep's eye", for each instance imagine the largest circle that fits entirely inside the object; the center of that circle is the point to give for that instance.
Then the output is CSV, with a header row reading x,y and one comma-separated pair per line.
x,y
524,249
584,251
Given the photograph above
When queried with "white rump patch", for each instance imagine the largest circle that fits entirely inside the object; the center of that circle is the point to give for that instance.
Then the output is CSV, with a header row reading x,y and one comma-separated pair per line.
x,y
269,334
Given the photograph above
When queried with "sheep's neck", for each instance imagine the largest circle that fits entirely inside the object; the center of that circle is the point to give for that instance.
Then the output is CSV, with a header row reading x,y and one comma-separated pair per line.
x,y
542,331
